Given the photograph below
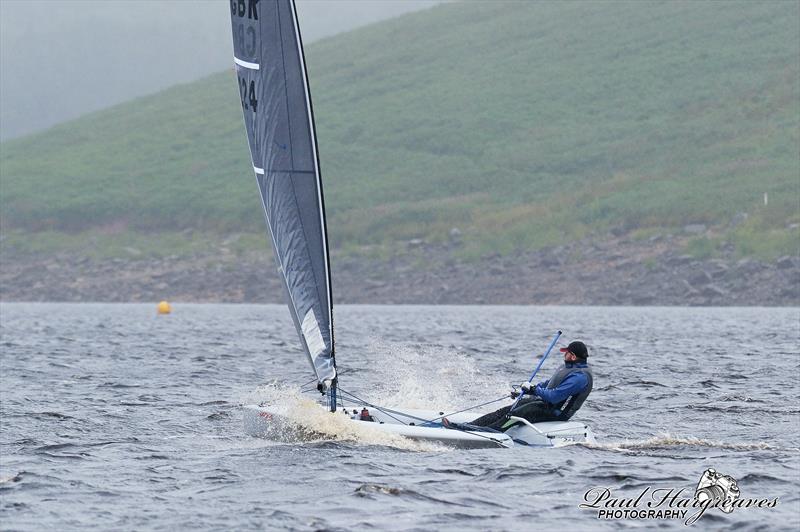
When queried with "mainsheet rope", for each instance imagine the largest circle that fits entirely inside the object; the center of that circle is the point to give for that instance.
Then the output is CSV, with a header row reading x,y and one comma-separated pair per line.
x,y
390,411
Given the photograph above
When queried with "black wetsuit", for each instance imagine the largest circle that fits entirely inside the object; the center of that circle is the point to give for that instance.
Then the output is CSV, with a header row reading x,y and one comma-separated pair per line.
x,y
567,389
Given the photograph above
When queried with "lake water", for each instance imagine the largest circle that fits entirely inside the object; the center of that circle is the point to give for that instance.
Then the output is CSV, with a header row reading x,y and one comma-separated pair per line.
x,y
115,418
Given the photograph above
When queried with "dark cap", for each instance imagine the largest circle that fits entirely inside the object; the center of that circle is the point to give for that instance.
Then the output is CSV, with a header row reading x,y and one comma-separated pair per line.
x,y
578,349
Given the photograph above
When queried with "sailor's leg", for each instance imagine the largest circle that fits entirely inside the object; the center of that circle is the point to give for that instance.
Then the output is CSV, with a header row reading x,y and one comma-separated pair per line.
x,y
492,418
535,411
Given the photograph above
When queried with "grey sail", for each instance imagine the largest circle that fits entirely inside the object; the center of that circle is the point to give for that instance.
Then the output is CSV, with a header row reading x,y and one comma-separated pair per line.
x,y
278,117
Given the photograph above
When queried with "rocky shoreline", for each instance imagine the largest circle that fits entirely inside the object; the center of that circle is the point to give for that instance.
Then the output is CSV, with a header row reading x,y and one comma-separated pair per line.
x,y
615,271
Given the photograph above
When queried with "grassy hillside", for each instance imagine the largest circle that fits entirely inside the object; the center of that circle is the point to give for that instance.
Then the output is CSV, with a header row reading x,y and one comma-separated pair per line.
x,y
521,123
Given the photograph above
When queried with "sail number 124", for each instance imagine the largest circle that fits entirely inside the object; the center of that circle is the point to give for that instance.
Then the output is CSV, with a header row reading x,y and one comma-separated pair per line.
x,y
248,94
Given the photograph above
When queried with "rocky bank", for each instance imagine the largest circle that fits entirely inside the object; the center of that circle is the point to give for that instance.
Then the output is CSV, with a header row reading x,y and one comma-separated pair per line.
x,y
614,271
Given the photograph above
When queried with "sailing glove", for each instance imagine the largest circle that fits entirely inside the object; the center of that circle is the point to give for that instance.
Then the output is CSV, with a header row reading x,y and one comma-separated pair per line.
x,y
526,387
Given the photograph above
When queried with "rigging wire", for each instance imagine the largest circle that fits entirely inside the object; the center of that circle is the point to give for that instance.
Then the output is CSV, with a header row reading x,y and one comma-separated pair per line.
x,y
468,408
388,411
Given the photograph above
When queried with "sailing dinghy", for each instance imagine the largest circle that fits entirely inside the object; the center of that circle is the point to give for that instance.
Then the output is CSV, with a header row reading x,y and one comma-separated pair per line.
x,y
279,120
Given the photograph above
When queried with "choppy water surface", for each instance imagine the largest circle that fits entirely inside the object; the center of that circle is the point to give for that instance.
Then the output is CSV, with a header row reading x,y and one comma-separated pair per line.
x,y
115,418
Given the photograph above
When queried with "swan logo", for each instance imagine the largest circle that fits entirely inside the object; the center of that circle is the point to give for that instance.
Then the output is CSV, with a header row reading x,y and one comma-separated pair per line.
x,y
713,491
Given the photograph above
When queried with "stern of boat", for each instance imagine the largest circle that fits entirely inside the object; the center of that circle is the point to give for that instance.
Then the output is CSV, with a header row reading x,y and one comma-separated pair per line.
x,y
550,433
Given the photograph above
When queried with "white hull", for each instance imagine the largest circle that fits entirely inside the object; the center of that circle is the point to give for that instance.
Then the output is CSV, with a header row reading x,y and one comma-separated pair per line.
x,y
263,421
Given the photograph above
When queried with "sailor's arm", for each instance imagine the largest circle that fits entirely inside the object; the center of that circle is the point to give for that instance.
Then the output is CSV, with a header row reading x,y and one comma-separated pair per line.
x,y
571,385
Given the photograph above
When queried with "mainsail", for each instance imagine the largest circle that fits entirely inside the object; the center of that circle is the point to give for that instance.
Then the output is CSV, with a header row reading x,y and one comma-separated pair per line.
x,y
276,102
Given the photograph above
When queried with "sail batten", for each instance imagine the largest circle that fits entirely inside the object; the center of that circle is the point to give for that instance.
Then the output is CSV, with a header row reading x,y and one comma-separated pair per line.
x,y
279,120
246,64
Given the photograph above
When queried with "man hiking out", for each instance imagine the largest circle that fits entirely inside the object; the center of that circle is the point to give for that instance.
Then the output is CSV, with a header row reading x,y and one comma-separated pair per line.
x,y
555,399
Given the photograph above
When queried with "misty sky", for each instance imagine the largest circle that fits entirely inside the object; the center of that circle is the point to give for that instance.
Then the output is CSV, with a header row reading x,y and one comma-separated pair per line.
x,y
60,59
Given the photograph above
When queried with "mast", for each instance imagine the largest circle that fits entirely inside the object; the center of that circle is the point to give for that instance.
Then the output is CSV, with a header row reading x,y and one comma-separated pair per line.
x,y
323,219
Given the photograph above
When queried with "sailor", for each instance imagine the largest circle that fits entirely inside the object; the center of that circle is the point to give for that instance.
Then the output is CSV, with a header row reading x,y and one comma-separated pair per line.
x,y
555,399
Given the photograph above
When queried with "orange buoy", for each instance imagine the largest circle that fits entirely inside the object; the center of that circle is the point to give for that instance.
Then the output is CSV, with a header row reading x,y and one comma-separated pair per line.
x,y
164,308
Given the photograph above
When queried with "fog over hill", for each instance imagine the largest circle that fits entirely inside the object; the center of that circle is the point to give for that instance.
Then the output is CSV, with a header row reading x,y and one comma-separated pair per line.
x,y
60,59
484,152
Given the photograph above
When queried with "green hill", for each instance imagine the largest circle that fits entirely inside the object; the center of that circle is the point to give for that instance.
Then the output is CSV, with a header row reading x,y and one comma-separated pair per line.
x,y
521,123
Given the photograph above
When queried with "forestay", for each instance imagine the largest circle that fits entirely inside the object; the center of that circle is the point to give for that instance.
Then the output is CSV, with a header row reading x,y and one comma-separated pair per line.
x,y
273,86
